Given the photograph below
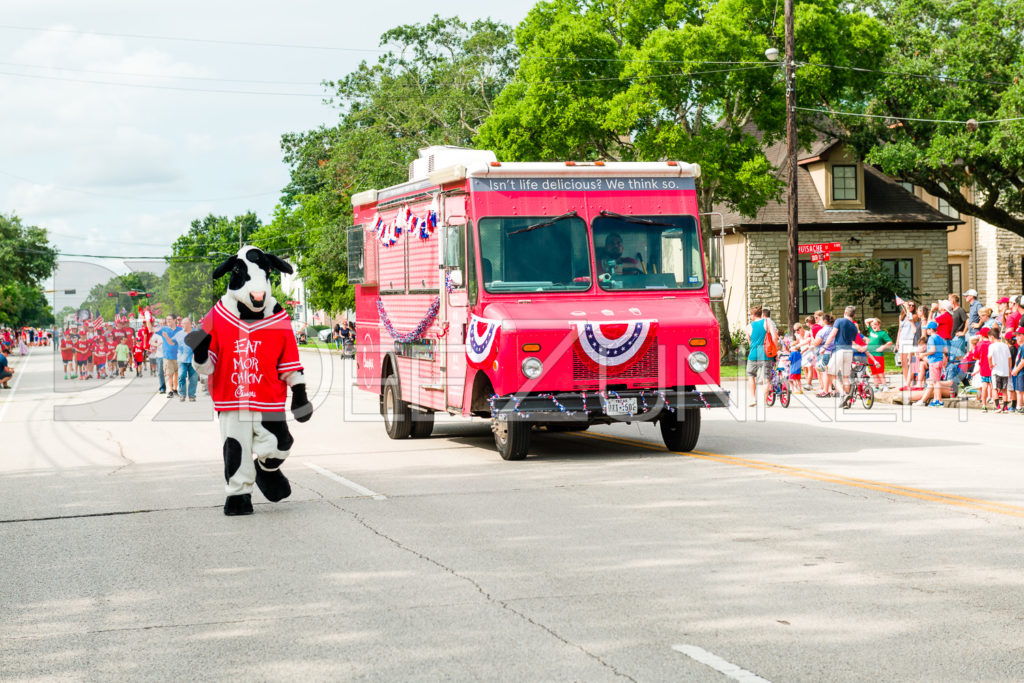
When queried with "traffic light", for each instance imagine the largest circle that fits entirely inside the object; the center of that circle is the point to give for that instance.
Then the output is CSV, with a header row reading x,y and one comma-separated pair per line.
x,y
111,294
133,293
148,295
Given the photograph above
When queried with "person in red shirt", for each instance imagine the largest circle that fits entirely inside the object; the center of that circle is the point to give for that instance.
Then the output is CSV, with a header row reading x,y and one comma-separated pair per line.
x,y
944,320
99,356
1013,314
82,356
984,366
139,356
67,354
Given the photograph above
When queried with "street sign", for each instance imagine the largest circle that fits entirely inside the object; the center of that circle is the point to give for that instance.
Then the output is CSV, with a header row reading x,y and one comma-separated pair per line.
x,y
820,257
819,248
69,292
822,277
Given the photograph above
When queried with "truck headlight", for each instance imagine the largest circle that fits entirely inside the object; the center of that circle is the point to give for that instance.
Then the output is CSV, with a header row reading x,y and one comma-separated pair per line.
x,y
699,361
532,367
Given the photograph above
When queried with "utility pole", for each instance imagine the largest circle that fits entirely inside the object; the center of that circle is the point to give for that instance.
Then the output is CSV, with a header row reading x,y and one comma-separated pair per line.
x,y
792,261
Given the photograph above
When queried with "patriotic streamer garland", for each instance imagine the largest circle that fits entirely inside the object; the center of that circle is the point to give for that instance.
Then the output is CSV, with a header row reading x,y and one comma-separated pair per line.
x,y
389,232
418,331
645,408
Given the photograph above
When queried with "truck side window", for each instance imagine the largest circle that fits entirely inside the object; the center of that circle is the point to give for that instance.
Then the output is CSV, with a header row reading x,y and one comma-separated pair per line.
x,y
471,282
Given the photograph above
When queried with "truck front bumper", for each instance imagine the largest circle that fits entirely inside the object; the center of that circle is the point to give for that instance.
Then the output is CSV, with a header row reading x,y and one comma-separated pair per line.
x,y
595,407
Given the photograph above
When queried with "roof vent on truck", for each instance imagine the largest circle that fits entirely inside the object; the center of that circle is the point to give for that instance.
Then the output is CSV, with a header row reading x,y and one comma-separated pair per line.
x,y
443,156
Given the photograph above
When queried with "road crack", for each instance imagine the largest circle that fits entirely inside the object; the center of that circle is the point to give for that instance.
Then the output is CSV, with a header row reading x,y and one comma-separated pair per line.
x,y
502,604
120,450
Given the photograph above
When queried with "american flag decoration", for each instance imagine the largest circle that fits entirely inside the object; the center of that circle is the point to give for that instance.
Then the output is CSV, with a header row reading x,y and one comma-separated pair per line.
x,y
97,323
482,341
899,301
388,232
613,347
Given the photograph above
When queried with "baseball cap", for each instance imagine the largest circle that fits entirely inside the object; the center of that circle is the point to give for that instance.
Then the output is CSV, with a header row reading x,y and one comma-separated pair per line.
x,y
1020,331
983,332
971,292
1003,300
1009,335
932,326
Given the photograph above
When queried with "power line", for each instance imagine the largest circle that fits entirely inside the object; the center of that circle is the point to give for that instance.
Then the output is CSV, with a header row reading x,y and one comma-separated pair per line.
x,y
160,87
948,79
133,199
907,118
142,75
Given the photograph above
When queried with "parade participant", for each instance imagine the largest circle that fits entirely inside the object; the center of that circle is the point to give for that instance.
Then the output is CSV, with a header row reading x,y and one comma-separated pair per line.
x,y
187,377
122,353
82,356
247,348
99,356
67,354
155,361
169,352
138,356
611,260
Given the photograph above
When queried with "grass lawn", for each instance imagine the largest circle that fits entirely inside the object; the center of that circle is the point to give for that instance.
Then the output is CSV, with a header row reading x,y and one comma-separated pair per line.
x,y
739,370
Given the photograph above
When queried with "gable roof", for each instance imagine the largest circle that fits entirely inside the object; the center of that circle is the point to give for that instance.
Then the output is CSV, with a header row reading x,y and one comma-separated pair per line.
x,y
887,203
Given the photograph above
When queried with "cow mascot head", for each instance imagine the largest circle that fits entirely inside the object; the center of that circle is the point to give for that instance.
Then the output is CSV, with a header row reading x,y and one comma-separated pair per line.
x,y
247,348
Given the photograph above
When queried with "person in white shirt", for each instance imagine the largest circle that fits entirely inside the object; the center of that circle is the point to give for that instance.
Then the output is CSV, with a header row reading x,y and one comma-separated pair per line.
x,y
999,358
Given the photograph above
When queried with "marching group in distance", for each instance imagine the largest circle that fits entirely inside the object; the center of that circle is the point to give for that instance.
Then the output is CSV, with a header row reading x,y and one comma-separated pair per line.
x,y
942,350
97,350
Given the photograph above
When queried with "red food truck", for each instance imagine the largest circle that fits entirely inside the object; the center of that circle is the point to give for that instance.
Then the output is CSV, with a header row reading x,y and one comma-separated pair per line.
x,y
538,295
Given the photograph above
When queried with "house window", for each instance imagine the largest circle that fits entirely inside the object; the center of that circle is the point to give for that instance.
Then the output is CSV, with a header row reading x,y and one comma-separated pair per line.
x,y
844,183
947,210
955,282
903,269
909,187
808,299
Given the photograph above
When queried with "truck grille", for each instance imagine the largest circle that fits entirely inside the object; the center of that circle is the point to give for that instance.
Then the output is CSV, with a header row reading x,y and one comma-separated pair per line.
x,y
646,367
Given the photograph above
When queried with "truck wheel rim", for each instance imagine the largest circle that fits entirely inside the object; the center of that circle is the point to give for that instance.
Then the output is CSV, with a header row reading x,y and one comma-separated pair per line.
x,y
389,406
501,433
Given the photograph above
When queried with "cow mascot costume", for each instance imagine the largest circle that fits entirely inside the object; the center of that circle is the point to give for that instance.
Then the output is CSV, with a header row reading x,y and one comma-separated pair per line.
x,y
247,347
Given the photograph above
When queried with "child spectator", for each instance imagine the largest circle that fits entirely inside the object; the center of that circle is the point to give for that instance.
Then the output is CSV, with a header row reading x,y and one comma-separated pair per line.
x,y
878,342
1017,373
984,368
935,353
795,366
999,359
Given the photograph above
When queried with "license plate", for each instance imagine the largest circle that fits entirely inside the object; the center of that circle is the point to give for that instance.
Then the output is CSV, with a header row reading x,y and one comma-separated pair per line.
x,y
620,406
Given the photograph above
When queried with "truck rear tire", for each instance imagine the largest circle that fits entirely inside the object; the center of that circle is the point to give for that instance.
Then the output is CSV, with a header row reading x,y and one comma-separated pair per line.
x,y
422,425
397,414
512,439
680,434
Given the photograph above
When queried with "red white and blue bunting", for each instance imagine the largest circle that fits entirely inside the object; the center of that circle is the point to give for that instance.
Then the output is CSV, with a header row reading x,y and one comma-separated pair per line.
x,y
417,332
613,347
388,232
482,341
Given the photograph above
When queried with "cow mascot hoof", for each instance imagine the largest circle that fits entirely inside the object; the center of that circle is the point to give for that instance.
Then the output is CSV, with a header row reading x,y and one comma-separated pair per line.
x,y
238,505
247,348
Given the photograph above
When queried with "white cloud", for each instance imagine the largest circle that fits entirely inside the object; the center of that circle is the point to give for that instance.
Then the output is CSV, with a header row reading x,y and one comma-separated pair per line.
x,y
128,157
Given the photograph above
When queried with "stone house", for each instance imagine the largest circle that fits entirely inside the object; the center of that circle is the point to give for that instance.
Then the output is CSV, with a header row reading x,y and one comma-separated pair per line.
x,y
870,214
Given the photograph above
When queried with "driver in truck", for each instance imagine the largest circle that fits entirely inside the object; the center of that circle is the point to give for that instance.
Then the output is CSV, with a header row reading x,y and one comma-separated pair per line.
x,y
611,260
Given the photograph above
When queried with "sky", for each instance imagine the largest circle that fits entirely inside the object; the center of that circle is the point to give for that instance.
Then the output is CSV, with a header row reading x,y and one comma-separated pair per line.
x,y
123,124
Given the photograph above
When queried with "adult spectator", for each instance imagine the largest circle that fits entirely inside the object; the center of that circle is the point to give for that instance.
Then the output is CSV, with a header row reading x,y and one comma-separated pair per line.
x,y
973,306
934,355
1017,372
824,354
188,378
336,336
844,332
1013,314
169,353
944,320
757,360
6,372
879,342
1002,303
766,313
959,316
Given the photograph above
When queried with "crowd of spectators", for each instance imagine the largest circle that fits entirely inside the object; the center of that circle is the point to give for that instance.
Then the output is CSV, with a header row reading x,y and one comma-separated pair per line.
x,y
941,350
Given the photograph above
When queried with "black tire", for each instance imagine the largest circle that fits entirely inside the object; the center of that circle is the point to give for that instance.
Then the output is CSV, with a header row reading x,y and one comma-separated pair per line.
x,y
422,425
867,396
680,435
769,396
397,414
512,439
784,396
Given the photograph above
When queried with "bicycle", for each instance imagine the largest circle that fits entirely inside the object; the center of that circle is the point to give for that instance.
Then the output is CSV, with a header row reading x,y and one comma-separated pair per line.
x,y
777,386
860,387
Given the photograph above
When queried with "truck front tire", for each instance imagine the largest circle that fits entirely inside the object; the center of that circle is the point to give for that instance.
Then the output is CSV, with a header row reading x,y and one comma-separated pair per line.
x,y
511,438
397,413
422,425
680,429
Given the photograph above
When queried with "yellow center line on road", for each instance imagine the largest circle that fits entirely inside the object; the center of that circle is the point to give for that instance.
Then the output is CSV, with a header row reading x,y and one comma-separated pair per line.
x,y
895,489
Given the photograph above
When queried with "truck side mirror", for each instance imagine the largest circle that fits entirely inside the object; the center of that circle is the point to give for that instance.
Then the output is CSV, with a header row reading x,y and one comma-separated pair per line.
x,y
456,276
716,292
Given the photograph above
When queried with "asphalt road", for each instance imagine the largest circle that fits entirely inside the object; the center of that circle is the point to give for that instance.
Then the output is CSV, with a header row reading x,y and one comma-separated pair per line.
x,y
798,544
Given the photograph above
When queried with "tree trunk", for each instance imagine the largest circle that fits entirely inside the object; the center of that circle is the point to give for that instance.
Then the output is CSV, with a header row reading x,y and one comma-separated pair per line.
x,y
705,205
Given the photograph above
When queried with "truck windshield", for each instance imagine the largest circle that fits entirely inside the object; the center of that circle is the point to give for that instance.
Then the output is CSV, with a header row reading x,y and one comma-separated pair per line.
x,y
554,256
647,252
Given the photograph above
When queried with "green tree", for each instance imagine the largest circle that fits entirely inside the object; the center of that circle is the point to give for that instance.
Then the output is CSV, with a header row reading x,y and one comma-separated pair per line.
x,y
435,86
28,258
866,283
190,286
626,80
952,61
100,301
